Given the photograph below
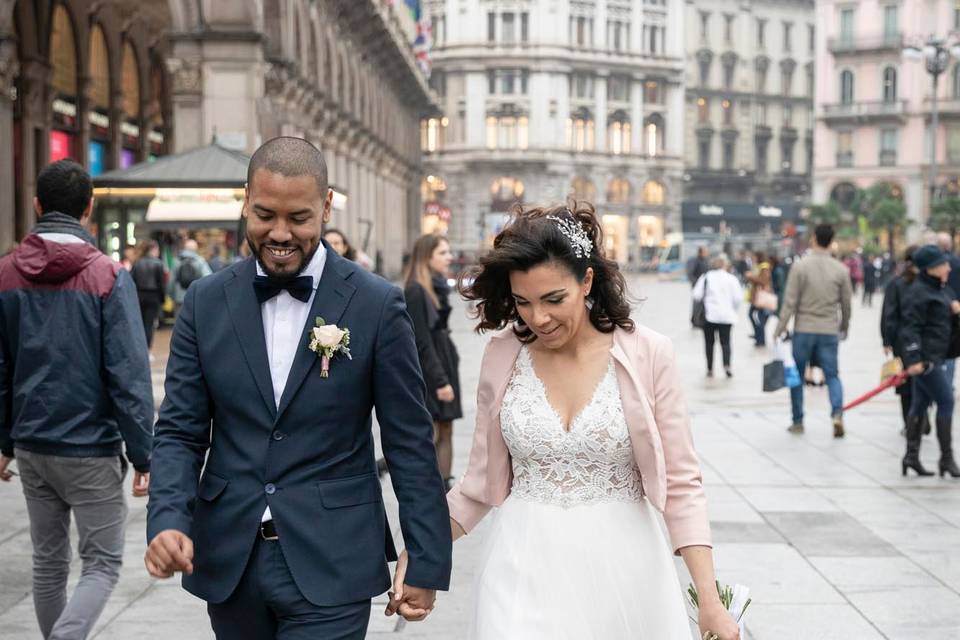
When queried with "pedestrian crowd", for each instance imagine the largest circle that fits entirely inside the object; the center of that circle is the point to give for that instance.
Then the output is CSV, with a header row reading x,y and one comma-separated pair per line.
x,y
811,299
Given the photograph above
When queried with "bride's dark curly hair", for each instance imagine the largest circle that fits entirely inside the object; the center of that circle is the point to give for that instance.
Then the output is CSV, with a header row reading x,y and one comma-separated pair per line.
x,y
531,239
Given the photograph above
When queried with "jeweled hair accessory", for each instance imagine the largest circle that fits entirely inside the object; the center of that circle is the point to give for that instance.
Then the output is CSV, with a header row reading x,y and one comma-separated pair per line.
x,y
579,240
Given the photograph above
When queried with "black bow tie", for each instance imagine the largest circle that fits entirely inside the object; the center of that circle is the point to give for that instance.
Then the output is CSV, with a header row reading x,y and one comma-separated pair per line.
x,y
266,287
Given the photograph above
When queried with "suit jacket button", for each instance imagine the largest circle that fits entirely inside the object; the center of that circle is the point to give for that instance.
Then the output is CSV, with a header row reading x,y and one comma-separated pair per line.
x,y
270,489
278,435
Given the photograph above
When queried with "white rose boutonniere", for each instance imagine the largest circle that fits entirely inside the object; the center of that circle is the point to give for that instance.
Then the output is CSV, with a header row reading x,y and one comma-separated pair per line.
x,y
327,340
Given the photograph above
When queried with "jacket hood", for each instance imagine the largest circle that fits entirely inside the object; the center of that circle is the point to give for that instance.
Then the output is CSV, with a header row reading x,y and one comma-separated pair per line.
x,y
49,262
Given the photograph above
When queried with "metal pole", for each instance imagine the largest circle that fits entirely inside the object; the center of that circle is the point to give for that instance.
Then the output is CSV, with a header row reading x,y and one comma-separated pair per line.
x,y
934,125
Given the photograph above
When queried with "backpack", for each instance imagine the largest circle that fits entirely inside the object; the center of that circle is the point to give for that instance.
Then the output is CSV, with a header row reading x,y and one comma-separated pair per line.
x,y
187,273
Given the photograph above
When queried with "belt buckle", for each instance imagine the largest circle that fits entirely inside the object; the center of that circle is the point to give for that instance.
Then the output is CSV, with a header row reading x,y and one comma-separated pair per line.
x,y
263,533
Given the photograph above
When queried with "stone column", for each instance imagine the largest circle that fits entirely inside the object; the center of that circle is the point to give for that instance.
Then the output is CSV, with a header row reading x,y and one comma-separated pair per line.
x,y
600,118
636,114
186,97
35,141
9,67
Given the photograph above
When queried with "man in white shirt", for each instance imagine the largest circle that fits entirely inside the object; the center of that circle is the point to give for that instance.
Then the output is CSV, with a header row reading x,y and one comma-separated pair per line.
x,y
285,534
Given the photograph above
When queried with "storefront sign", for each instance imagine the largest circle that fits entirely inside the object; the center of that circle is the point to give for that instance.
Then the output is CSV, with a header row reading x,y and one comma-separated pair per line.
x,y
96,157
438,210
61,145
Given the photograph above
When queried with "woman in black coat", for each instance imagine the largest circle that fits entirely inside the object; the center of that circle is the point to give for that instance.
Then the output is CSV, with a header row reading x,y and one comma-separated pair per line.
x,y
428,304
929,306
891,317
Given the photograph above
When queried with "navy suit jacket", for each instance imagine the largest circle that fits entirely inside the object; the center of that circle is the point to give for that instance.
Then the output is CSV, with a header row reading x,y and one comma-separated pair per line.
x,y
312,460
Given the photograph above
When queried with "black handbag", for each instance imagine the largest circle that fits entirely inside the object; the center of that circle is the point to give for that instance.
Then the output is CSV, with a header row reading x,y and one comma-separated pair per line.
x,y
699,316
773,376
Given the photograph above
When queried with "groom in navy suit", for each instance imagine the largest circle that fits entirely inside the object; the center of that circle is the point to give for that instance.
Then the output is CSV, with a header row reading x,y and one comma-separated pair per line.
x,y
264,489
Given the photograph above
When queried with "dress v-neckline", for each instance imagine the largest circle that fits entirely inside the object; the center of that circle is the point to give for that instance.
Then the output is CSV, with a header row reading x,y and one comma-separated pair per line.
x,y
566,428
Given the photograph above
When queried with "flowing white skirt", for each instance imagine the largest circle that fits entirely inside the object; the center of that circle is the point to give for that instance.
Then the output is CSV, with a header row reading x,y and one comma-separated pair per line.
x,y
600,571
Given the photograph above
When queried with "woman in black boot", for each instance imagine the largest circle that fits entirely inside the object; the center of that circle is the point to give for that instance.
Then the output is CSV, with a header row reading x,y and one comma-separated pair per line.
x,y
891,319
928,308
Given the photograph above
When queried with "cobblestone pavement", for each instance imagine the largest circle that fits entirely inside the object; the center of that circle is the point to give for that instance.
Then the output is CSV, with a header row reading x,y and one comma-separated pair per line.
x,y
832,540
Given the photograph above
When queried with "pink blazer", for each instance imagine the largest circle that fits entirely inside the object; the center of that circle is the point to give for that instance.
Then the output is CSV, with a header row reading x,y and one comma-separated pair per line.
x,y
656,415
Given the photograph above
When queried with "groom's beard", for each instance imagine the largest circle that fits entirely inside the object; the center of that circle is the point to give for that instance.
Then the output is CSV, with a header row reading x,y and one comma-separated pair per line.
x,y
280,275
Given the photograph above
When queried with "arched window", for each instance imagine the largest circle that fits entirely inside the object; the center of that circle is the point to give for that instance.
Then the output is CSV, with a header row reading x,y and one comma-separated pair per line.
x,y
99,70
583,189
63,82
580,130
653,134
618,191
889,84
653,193
618,133
433,134
98,156
507,130
846,87
505,192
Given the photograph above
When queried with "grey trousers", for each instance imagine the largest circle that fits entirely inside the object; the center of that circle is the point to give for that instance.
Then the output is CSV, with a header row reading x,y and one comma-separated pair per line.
x,y
93,489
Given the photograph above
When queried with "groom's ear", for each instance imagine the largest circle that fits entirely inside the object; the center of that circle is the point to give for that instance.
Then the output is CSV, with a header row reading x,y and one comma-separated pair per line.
x,y
327,207
246,200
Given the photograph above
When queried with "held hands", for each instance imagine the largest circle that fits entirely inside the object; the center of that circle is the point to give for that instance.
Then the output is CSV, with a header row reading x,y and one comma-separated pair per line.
x,y
413,603
169,551
716,622
445,394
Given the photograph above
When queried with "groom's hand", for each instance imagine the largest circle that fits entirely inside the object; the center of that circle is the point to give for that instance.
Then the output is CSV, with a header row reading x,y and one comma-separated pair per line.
x,y
169,551
412,603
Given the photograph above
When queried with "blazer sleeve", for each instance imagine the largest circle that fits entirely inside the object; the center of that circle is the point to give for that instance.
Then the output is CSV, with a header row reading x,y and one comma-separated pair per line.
x,y
406,431
471,499
417,306
182,434
685,511
127,370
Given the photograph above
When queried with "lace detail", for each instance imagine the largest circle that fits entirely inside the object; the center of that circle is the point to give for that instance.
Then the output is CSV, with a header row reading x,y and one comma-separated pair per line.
x,y
593,462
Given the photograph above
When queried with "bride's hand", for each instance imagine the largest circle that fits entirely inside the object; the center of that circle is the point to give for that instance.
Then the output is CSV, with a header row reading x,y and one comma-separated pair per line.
x,y
714,618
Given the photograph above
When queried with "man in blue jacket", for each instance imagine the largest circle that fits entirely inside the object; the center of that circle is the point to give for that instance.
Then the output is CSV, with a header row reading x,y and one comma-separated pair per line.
x,y
265,493
74,386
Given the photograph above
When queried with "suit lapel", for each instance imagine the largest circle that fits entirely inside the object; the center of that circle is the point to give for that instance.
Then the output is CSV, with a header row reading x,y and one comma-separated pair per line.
x,y
330,301
248,323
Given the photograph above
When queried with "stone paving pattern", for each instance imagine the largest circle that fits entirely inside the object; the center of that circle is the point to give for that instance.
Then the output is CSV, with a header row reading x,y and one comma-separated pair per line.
x,y
833,542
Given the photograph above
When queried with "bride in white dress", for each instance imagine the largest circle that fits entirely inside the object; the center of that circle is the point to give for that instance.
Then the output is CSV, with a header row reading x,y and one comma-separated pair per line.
x,y
581,436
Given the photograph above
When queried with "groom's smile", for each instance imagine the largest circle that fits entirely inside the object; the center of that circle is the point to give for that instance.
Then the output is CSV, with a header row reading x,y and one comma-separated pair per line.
x,y
285,216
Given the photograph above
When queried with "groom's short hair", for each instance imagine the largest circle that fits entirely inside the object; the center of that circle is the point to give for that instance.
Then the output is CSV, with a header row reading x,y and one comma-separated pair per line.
x,y
290,157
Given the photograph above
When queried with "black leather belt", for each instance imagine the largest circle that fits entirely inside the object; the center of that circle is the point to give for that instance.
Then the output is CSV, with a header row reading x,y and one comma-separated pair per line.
x,y
268,531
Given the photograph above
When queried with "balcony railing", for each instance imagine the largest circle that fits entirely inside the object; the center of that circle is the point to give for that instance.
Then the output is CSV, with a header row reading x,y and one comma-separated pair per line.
x,y
946,107
888,157
865,111
844,159
849,45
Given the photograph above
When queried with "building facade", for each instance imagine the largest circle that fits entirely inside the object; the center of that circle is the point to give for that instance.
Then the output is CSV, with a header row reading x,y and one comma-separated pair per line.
x,y
874,103
543,100
110,83
749,110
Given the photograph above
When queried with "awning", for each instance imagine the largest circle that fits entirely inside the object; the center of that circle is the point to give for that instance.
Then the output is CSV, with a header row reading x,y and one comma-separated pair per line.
x,y
194,207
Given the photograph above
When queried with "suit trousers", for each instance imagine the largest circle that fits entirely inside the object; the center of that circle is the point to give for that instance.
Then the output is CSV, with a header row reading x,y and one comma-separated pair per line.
x,y
268,605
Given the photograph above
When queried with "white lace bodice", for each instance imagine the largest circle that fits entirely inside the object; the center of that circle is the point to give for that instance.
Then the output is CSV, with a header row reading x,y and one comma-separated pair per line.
x,y
593,462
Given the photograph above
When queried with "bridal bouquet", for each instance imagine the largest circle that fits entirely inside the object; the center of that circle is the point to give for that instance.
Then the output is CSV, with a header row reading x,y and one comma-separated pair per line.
x,y
735,600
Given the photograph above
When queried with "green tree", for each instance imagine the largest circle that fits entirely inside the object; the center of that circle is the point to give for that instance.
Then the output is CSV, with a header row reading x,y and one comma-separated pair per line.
x,y
828,213
883,211
946,216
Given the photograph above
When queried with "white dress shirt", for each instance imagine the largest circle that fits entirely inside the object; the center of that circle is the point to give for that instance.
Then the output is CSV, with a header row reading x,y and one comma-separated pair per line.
x,y
284,318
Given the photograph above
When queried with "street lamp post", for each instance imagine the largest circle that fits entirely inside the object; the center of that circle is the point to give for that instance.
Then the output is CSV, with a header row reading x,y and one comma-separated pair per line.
x,y
936,55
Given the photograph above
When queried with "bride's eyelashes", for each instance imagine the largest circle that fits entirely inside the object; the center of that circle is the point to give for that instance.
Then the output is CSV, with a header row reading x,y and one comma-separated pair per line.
x,y
520,302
